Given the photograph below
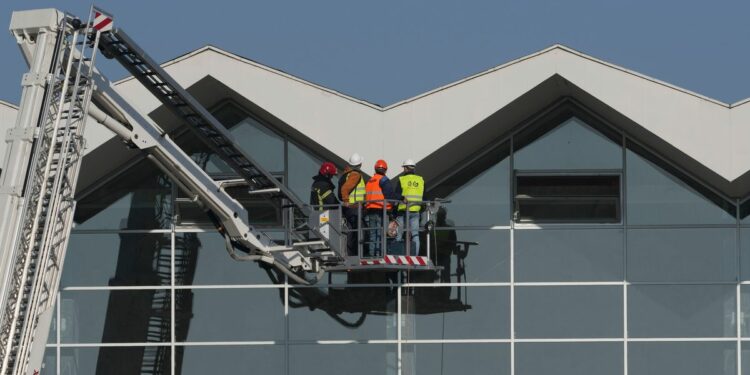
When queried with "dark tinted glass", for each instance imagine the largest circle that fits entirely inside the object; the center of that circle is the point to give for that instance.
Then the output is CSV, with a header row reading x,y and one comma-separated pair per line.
x,y
140,198
456,313
302,166
568,311
346,313
681,310
658,194
258,141
571,145
117,316
124,259
465,359
568,255
202,259
226,359
472,255
360,359
672,255
479,192
601,358
116,360
682,358
558,198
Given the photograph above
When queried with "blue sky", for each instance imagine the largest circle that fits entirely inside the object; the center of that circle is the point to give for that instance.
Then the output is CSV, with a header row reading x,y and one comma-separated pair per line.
x,y
384,51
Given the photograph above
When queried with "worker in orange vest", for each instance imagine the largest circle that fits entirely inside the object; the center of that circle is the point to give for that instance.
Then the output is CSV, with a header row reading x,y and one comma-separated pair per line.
x,y
377,190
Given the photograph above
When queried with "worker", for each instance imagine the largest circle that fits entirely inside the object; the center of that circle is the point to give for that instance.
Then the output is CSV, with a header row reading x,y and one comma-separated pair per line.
x,y
409,190
377,191
322,195
351,193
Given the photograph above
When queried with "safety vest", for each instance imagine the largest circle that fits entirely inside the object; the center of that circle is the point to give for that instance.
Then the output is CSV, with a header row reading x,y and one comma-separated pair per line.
x,y
412,188
358,193
322,197
374,192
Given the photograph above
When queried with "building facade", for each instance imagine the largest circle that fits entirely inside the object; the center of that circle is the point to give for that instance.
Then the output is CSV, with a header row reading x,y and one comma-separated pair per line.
x,y
595,224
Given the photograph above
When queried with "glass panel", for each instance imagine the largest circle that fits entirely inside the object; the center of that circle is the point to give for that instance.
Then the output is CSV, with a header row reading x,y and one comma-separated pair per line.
x,y
465,359
601,358
258,141
345,313
116,360
360,359
117,316
682,358
655,196
745,313
681,310
456,313
479,192
233,315
202,259
256,359
49,363
674,255
302,167
568,311
123,259
568,255
745,253
745,357
567,199
572,145
472,255
140,198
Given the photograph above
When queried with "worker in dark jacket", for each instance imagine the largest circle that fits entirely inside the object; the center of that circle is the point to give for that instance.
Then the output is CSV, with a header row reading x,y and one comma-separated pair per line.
x,y
323,192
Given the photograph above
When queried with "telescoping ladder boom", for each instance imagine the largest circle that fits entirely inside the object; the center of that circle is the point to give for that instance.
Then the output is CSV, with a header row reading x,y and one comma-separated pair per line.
x,y
49,145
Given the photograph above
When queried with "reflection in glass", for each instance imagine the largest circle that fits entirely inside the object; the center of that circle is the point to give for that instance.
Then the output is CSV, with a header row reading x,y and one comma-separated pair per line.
x,y
116,360
302,166
745,311
568,255
204,255
258,141
115,316
140,198
255,359
124,259
681,310
672,255
472,255
745,253
359,359
571,145
479,193
233,315
655,196
601,358
568,311
465,359
456,313
682,358
343,313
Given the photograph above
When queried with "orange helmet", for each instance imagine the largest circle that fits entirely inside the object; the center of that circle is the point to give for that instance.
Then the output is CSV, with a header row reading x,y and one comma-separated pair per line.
x,y
381,164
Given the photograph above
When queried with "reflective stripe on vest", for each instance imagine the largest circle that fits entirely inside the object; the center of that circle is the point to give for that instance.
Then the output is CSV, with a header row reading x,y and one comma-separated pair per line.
x,y
412,188
358,194
374,192
322,198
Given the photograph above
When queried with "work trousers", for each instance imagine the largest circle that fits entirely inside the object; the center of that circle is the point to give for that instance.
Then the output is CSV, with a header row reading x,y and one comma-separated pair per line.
x,y
413,229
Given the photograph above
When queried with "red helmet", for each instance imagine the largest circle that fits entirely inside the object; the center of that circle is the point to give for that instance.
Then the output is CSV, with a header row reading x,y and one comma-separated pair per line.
x,y
327,169
381,164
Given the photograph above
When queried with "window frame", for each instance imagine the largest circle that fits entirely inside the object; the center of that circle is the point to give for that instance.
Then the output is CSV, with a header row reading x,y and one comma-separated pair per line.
x,y
563,173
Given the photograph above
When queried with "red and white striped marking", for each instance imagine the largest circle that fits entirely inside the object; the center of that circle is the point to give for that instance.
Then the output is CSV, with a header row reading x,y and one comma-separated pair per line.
x,y
396,260
102,22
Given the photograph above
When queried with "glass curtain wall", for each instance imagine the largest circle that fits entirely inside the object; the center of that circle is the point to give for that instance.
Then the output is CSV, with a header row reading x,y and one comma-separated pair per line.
x,y
658,291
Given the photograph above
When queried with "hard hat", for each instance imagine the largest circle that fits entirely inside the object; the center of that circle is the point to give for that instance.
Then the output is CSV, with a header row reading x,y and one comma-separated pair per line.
x,y
381,164
355,160
327,169
408,163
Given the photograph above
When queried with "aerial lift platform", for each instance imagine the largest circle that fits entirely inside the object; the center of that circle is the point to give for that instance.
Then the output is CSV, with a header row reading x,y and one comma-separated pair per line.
x,y
61,91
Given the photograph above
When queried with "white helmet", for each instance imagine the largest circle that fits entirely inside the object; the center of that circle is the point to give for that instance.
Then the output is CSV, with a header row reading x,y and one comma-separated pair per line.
x,y
408,163
355,160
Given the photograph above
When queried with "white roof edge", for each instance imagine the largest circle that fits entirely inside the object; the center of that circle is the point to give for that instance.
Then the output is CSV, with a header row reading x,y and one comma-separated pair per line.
x,y
553,47
8,104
